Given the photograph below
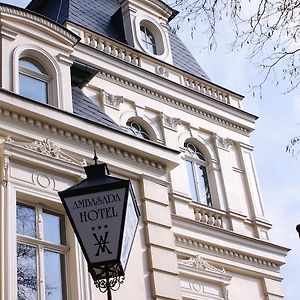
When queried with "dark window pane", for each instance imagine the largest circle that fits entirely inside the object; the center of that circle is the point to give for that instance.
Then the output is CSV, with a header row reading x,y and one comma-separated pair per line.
x,y
148,39
143,34
31,64
144,135
150,36
33,88
131,131
53,275
26,272
152,48
26,220
191,178
52,227
203,186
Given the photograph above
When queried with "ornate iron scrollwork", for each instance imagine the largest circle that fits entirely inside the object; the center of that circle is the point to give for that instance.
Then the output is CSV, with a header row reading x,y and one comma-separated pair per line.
x,y
111,281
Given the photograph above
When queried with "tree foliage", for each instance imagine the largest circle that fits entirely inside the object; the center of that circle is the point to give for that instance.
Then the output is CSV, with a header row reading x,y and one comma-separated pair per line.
x,y
269,29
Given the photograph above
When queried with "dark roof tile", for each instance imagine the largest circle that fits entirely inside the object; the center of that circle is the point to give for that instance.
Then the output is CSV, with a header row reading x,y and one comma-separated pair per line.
x,y
84,107
104,17
182,57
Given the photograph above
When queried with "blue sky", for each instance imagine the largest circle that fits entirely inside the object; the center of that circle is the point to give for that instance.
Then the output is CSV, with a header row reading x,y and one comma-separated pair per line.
x,y
279,119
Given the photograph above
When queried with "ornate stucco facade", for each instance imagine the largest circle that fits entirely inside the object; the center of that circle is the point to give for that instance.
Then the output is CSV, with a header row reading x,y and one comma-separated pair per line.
x,y
98,85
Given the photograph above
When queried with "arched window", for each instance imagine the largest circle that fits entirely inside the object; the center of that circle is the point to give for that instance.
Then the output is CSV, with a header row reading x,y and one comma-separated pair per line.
x,y
137,130
197,175
33,80
148,39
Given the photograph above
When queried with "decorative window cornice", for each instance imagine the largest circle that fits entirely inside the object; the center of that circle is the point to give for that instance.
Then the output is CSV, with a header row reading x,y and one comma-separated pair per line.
x,y
199,263
195,274
48,148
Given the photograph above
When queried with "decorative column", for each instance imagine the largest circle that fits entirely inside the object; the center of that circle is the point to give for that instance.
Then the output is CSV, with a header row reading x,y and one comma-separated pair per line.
x,y
7,229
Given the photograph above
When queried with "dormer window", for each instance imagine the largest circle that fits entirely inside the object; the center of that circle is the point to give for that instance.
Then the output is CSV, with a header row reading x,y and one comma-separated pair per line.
x,y
150,36
33,80
148,39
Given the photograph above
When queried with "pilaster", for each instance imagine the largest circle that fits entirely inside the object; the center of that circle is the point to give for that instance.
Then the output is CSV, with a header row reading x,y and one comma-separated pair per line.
x,y
160,240
273,289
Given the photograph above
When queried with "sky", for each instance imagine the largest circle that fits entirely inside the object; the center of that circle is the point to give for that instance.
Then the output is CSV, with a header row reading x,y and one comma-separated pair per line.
x,y
279,120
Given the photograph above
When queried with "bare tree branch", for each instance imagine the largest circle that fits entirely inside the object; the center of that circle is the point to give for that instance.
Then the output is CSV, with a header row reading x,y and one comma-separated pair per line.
x,y
270,29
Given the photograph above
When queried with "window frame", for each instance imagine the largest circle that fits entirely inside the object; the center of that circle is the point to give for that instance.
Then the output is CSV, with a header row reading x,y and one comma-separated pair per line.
x,y
150,46
139,134
43,77
196,162
49,63
41,245
159,34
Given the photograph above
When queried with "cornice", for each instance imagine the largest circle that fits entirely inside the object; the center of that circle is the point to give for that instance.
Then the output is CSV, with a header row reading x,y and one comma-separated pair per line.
x,y
228,237
31,16
171,101
172,12
49,127
159,4
231,254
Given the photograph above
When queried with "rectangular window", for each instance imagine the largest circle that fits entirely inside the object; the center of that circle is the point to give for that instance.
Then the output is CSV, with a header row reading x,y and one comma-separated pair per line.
x,y
198,183
40,254
33,88
26,272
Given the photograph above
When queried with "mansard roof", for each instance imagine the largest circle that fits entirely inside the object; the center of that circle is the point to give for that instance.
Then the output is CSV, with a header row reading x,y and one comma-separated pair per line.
x,y
105,17
84,107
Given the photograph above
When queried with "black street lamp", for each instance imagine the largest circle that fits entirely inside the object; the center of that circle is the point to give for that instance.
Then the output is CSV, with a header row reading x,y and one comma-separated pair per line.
x,y
104,215
298,229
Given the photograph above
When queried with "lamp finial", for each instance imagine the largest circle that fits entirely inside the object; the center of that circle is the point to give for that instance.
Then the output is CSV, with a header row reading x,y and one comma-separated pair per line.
x,y
95,157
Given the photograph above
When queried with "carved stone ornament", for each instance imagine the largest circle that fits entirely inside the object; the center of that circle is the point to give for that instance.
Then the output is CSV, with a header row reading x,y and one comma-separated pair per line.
x,y
224,143
4,171
47,147
170,122
199,263
112,100
160,70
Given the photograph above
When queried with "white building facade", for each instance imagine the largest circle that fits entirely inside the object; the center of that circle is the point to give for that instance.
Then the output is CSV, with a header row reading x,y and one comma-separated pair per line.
x,y
111,76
